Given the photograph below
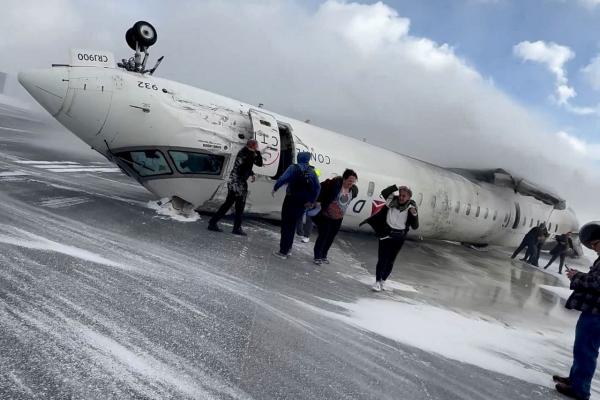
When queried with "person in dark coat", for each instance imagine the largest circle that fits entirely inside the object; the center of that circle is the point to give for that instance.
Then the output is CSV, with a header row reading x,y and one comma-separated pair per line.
x,y
301,193
531,257
335,197
237,186
391,224
585,298
529,241
563,244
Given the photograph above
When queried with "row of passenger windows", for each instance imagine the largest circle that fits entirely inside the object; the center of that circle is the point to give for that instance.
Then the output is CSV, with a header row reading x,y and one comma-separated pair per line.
x,y
478,212
153,162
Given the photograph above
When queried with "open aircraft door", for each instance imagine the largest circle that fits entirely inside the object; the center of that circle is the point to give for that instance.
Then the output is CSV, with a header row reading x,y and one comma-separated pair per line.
x,y
266,132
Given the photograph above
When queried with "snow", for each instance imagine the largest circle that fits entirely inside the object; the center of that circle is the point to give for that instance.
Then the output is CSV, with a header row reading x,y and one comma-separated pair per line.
x,y
84,170
12,173
46,162
521,353
165,208
22,238
560,291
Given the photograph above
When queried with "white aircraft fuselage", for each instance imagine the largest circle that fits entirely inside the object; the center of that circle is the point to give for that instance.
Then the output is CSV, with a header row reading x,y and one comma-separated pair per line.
x,y
177,140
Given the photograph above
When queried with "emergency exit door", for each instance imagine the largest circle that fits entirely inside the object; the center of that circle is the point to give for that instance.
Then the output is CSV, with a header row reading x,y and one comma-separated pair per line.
x,y
266,132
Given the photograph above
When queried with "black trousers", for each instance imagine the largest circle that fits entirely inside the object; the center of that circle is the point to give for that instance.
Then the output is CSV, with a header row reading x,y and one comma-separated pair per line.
x,y
560,265
240,203
291,210
524,243
388,250
328,228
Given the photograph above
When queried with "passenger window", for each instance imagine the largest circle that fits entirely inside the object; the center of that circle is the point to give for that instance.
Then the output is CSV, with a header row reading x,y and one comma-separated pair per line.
x,y
538,222
420,201
555,228
487,212
495,214
524,221
457,209
146,162
468,209
197,163
371,189
531,223
477,212
433,201
265,123
549,226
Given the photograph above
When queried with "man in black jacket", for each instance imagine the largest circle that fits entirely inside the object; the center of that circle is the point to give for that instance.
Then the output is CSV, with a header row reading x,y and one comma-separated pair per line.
x,y
585,298
563,244
529,241
237,187
391,224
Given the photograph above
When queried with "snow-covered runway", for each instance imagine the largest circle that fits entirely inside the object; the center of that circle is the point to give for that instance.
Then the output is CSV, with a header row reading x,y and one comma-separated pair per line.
x,y
101,296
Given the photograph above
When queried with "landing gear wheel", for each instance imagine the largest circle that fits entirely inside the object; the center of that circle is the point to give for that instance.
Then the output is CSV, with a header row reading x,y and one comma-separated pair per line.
x,y
144,33
130,39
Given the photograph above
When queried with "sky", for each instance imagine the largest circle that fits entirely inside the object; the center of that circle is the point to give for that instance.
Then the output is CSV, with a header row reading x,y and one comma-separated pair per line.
x,y
510,84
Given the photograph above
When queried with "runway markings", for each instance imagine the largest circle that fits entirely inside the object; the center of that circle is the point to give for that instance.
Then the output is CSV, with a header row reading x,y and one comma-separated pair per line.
x,y
69,166
62,202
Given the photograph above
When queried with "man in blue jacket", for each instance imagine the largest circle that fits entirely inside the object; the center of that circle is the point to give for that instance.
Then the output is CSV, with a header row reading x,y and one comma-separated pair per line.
x,y
301,193
585,298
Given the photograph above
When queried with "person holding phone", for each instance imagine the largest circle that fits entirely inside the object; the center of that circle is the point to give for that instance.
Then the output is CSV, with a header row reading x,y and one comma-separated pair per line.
x,y
391,224
585,298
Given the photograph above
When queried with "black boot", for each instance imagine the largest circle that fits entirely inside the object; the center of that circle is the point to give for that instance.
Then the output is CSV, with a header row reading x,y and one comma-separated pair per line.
x,y
212,226
561,379
569,392
239,231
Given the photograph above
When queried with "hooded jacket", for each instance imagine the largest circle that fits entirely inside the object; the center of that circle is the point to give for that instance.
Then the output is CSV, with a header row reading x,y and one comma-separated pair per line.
x,y
294,174
378,221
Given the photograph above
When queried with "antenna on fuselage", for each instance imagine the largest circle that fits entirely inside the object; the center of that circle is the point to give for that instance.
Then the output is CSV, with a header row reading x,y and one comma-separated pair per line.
x,y
140,37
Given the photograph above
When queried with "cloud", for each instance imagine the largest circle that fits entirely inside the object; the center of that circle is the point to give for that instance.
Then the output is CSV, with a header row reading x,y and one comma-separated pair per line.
x,y
590,4
555,57
591,151
592,72
354,68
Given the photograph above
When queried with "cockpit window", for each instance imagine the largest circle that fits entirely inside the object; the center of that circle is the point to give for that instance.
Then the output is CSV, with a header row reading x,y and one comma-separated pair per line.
x,y
197,163
146,162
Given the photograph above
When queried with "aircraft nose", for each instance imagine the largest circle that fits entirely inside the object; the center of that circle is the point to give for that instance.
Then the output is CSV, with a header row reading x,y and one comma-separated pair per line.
x,y
47,86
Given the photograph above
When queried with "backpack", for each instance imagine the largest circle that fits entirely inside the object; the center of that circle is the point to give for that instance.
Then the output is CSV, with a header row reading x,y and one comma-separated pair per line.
x,y
303,182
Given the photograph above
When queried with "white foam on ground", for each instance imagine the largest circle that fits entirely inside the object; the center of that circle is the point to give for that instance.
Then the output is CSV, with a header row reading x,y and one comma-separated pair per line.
x,y
165,207
520,353
560,291
22,238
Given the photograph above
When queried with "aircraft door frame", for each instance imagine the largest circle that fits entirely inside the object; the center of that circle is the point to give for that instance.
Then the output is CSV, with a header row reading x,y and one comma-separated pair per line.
x,y
266,133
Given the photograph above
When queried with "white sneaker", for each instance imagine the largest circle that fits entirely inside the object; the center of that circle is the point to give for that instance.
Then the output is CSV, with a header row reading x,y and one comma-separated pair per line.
x,y
381,285
305,239
376,287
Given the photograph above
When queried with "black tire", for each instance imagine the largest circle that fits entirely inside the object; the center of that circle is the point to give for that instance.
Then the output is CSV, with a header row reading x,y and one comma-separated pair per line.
x,y
144,33
130,38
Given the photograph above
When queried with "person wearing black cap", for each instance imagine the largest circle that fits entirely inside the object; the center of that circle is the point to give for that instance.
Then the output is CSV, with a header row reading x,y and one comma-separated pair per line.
x,y
391,224
585,298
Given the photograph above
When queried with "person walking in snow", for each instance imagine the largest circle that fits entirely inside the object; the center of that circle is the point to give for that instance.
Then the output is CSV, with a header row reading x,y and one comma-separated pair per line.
x,y
301,193
391,224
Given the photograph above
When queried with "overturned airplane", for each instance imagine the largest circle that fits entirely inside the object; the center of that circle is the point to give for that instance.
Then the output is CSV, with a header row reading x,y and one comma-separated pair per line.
x,y
180,142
